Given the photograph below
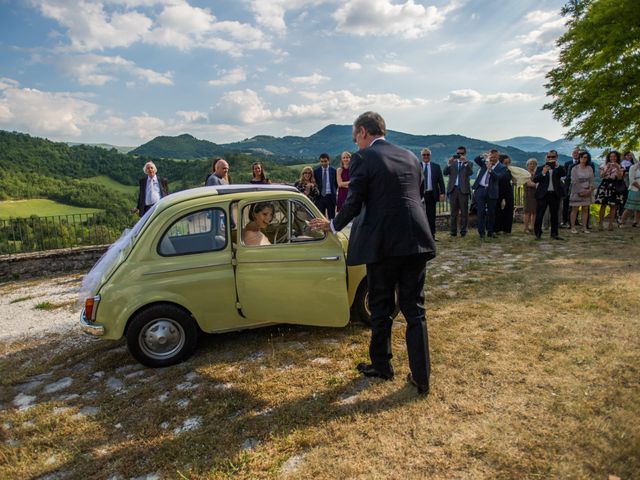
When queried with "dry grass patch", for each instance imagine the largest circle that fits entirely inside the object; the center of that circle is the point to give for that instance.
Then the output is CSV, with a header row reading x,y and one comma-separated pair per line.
x,y
535,374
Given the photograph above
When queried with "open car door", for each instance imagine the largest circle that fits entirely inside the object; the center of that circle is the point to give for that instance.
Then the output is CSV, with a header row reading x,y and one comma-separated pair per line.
x,y
299,277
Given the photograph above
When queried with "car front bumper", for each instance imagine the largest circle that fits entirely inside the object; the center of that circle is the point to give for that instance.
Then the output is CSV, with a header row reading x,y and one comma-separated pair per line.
x,y
90,328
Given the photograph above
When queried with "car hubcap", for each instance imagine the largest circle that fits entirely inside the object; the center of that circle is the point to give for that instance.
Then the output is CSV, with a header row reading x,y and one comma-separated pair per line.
x,y
162,338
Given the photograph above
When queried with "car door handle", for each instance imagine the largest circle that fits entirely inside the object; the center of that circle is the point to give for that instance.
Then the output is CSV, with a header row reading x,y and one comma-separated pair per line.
x,y
329,259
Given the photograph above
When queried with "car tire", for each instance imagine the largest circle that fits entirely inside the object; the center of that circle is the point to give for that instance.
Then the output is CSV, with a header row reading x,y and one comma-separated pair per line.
x,y
360,308
162,335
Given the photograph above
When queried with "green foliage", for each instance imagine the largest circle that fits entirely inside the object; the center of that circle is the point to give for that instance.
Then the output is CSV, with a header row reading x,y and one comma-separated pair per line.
x,y
595,87
44,207
183,146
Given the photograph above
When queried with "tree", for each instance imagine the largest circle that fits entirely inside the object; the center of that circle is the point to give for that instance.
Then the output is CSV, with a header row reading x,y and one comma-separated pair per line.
x,y
596,86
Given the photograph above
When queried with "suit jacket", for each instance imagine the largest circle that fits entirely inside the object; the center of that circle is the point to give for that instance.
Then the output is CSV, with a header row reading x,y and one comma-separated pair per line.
x,y
333,179
498,171
437,180
465,174
142,183
543,181
386,186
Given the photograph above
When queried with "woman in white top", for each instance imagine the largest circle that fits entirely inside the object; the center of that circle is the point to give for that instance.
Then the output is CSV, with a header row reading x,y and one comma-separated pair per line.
x,y
633,200
260,216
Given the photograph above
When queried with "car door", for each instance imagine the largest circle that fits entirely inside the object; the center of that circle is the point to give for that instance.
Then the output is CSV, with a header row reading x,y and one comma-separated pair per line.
x,y
298,277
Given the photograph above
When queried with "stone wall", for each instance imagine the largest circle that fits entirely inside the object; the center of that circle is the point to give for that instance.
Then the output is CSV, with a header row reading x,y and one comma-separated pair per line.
x,y
52,262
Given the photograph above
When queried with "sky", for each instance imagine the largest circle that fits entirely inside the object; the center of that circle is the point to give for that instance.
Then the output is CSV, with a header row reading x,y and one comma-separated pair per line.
x,y
125,71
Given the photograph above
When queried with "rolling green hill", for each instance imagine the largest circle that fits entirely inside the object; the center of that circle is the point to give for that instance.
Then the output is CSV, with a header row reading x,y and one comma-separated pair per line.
x,y
333,139
39,206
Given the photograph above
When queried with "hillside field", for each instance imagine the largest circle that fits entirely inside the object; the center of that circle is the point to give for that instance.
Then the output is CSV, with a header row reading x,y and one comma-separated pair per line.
x,y
40,207
112,184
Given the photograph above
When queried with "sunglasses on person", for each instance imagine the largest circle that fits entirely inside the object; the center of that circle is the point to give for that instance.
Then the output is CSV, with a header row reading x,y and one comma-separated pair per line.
x,y
552,156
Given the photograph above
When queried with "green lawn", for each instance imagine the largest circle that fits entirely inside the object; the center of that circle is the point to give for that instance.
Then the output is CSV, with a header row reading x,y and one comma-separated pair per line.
x,y
40,207
112,184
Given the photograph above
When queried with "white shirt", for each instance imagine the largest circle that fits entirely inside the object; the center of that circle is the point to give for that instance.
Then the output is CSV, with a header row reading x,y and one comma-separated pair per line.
x,y
152,193
427,166
326,188
484,181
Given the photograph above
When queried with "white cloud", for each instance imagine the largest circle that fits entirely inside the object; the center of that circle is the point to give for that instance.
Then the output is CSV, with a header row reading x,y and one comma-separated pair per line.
x,y
242,106
472,96
99,69
270,14
277,90
393,68
352,66
382,17
193,116
230,77
510,55
59,114
90,27
314,79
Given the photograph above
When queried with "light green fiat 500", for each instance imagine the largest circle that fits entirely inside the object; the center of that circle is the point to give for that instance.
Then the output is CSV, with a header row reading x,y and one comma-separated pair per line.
x,y
217,259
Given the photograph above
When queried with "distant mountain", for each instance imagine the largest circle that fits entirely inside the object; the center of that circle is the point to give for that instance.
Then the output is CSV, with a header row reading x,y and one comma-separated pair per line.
x,y
184,147
528,144
106,146
332,139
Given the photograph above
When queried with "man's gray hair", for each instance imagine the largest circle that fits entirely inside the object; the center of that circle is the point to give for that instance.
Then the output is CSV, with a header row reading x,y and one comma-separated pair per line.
x,y
144,169
372,122
425,150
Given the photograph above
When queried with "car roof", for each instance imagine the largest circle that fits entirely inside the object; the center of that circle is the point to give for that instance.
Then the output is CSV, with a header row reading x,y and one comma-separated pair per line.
x,y
202,192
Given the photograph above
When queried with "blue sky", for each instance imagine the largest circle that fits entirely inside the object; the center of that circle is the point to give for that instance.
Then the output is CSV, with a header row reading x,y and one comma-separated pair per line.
x,y
125,71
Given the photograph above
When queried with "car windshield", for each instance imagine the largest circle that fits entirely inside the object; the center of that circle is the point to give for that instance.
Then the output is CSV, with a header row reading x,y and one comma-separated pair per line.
x,y
111,258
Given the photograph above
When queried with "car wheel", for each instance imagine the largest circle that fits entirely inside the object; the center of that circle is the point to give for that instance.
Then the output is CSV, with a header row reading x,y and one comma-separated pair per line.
x,y
162,335
360,307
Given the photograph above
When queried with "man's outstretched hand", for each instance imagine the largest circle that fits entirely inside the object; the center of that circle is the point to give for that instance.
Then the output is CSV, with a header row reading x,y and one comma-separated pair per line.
x,y
320,224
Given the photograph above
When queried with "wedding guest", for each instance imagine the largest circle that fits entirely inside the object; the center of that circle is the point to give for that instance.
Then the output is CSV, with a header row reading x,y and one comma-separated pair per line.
x,y
632,206
151,189
219,173
307,184
530,197
325,176
459,171
549,193
505,204
342,175
259,174
611,189
582,187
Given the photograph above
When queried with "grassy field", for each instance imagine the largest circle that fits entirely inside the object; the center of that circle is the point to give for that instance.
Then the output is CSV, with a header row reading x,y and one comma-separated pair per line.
x,y
112,184
536,374
39,206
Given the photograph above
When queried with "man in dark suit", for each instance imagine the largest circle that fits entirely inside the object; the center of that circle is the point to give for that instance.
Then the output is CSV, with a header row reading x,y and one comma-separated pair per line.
x,y
459,171
327,182
393,239
486,189
549,192
568,165
151,189
433,188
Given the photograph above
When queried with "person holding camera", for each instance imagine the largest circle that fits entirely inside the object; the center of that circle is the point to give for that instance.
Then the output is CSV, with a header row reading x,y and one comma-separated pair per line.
x,y
459,171
549,193
486,189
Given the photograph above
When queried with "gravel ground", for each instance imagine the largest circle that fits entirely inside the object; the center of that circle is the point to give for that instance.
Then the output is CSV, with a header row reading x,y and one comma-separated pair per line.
x,y
34,308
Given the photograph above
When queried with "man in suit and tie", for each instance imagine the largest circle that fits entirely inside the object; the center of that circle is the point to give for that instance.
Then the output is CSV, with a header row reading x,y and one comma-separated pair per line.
x,y
433,188
151,189
393,239
486,188
459,171
327,181
549,192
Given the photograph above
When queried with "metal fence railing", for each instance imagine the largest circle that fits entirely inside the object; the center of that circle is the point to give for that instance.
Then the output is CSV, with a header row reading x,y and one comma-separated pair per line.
x,y
35,233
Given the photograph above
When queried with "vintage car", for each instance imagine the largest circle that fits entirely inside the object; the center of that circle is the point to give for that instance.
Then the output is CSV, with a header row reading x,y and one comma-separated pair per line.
x,y
187,267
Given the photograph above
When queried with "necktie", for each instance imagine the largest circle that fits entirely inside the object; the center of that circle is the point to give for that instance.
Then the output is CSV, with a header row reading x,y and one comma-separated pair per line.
x,y
324,180
427,176
459,169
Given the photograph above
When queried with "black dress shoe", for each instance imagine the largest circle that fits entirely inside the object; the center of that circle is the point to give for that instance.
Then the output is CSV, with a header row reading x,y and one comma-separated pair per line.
x,y
422,389
557,237
369,370
491,235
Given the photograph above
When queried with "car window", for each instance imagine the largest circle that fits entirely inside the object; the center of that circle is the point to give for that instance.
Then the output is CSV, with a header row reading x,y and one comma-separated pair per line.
x,y
197,232
276,223
300,230
265,223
